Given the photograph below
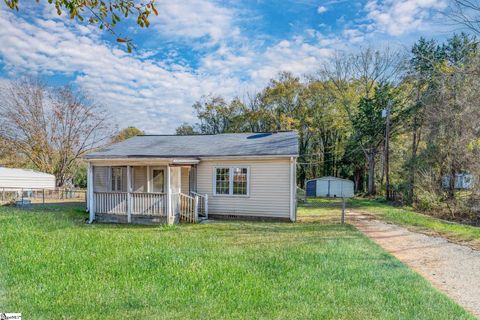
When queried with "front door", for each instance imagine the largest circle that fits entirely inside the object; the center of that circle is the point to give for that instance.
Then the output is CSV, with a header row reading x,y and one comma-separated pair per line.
x,y
158,180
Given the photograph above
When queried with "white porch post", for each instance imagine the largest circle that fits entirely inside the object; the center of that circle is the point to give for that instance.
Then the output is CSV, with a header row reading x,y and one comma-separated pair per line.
x,y
148,179
195,208
170,216
129,196
90,198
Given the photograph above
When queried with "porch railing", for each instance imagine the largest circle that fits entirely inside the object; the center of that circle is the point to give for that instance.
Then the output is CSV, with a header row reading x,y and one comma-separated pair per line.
x,y
202,204
144,203
111,202
186,208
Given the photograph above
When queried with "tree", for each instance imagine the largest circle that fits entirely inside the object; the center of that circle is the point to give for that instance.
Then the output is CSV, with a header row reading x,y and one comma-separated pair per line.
x,y
105,14
364,71
127,133
443,121
218,116
281,103
426,55
8,155
449,115
185,129
466,13
80,176
51,127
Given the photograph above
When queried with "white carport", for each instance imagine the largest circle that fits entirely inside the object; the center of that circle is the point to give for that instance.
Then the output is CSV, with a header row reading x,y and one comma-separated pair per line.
x,y
12,179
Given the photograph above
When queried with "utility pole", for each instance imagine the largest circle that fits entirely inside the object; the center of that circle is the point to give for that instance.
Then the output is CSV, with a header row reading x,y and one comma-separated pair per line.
x,y
386,115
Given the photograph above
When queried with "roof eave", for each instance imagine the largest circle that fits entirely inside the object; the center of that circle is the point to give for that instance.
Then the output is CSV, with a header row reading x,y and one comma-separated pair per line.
x,y
186,158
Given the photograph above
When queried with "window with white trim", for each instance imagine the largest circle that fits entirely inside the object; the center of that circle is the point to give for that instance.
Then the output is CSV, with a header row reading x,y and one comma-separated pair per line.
x,y
117,179
240,180
222,181
231,181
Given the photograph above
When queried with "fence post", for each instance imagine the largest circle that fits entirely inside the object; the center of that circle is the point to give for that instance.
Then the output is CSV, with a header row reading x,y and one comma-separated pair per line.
x,y
195,209
22,196
3,194
43,196
343,210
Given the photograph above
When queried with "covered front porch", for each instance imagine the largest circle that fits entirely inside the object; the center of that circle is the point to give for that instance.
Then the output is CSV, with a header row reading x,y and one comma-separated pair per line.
x,y
145,191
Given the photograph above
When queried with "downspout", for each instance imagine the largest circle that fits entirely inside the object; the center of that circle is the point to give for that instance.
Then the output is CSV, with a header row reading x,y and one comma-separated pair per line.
x,y
293,207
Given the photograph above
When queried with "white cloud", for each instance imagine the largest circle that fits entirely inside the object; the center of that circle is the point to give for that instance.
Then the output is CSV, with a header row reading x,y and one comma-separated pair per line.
x,y
322,9
260,65
195,19
135,90
354,35
295,56
397,17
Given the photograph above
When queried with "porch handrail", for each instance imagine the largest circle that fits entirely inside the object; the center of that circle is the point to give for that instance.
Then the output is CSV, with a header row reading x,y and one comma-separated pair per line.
x,y
202,203
188,208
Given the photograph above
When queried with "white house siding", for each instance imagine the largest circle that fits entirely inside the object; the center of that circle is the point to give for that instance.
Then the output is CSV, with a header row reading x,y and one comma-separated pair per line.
x,y
100,179
139,179
269,194
175,179
185,188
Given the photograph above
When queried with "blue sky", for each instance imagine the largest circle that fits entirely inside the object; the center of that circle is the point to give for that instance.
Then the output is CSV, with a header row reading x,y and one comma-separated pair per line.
x,y
202,47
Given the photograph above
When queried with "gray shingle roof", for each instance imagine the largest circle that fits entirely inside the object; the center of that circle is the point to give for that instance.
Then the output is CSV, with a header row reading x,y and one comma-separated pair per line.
x,y
198,146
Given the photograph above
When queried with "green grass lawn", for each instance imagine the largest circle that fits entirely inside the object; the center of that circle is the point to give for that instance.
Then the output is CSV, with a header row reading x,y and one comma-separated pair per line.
x,y
54,266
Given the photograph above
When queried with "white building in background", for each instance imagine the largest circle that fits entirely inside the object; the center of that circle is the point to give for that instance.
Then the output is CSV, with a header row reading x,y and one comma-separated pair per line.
x,y
462,181
12,179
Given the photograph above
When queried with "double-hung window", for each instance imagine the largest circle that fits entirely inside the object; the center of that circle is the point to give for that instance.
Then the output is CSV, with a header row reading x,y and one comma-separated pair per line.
x,y
232,181
117,179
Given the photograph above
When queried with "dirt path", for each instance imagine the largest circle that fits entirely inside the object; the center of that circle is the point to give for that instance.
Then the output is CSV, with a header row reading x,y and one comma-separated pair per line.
x,y
452,268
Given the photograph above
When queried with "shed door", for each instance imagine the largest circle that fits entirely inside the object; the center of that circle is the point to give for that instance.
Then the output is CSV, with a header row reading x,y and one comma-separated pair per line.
x,y
323,187
312,188
336,188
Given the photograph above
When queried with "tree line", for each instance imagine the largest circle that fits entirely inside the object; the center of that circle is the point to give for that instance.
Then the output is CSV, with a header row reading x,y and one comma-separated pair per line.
x,y
429,96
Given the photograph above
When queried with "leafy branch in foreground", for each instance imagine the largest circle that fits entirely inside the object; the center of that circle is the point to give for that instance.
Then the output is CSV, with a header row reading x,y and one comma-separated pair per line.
x,y
106,14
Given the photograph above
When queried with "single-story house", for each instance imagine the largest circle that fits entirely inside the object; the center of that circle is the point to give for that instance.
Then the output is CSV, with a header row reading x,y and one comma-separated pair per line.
x,y
14,179
172,178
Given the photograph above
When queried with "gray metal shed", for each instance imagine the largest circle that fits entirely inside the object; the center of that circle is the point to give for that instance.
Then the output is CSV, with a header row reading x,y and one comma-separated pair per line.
x,y
330,187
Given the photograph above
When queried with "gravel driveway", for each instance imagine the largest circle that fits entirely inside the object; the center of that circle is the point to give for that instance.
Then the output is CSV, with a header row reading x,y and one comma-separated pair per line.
x,y
452,268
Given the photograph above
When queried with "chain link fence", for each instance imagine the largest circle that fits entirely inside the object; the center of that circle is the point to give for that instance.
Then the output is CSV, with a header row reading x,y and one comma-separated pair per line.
x,y
328,210
25,197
